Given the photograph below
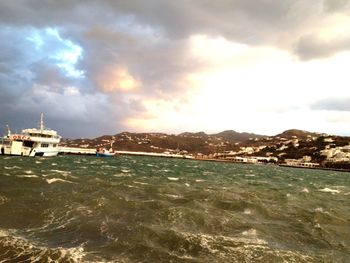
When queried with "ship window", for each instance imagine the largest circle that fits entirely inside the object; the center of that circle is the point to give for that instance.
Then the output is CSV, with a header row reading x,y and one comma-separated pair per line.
x,y
28,143
44,145
54,145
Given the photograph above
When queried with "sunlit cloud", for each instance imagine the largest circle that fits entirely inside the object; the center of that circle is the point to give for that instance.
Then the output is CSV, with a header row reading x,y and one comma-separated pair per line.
x,y
116,79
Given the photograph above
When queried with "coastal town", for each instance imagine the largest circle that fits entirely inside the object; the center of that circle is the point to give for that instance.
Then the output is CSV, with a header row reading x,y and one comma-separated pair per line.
x,y
294,148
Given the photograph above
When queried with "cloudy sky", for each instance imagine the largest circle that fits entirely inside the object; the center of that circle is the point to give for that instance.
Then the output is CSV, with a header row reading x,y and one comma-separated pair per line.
x,y
103,67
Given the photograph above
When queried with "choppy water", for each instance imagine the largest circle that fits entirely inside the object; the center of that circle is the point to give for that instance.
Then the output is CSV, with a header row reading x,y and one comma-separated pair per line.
x,y
138,209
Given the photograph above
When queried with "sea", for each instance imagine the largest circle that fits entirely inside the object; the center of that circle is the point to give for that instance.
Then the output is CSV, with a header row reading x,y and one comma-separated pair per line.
x,y
151,209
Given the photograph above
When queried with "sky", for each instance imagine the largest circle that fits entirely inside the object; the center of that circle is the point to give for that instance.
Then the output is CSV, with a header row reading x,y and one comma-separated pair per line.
x,y
103,67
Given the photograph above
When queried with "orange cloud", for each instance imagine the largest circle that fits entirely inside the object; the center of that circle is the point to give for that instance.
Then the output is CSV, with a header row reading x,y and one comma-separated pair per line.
x,y
116,79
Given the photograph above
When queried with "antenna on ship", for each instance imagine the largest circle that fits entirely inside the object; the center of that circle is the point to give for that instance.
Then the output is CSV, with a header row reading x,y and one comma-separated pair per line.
x,y
8,130
42,122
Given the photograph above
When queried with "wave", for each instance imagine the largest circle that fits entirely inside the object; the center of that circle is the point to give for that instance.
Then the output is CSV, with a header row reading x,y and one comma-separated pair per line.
x,y
3,200
124,174
177,246
12,167
57,180
329,190
173,178
27,176
305,190
15,248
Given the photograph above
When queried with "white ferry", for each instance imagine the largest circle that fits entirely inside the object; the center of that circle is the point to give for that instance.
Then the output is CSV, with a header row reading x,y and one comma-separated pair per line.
x,y
32,142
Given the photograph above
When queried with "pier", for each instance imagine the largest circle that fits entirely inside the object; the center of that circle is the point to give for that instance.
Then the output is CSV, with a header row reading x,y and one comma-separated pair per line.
x,y
168,155
78,151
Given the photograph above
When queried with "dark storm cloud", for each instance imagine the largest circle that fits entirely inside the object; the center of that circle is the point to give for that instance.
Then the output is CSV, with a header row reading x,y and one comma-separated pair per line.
x,y
253,22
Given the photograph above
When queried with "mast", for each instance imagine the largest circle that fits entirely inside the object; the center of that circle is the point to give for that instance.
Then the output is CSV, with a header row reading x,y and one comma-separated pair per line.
x,y
8,130
41,122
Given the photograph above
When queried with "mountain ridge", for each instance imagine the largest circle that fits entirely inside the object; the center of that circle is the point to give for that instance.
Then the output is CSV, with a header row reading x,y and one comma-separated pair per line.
x,y
191,142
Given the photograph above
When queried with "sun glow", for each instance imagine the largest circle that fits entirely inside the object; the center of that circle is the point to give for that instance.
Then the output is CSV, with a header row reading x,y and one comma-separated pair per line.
x,y
117,79
256,89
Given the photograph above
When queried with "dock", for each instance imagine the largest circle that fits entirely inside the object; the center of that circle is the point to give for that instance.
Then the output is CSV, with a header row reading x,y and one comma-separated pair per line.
x,y
77,151
89,151
168,155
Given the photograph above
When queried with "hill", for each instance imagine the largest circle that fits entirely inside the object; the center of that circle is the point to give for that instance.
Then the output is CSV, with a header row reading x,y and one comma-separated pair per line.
x,y
234,136
289,134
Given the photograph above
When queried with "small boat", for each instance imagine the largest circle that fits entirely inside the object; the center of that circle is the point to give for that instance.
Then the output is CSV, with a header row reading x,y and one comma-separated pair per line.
x,y
39,141
105,153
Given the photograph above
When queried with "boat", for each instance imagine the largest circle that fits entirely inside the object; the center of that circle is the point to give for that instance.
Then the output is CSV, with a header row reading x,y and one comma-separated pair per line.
x,y
39,141
105,153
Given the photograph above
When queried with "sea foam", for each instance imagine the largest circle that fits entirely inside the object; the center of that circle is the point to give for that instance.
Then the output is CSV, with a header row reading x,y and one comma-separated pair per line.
x,y
329,190
173,178
57,180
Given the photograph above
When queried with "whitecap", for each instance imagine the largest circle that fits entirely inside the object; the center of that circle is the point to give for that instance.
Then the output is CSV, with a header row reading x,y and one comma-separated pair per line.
x,y
22,248
54,164
305,190
187,184
3,200
4,233
60,171
173,178
56,180
122,175
172,196
199,180
12,167
133,186
76,254
247,211
250,232
329,190
135,182
125,171
209,242
319,209
28,176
